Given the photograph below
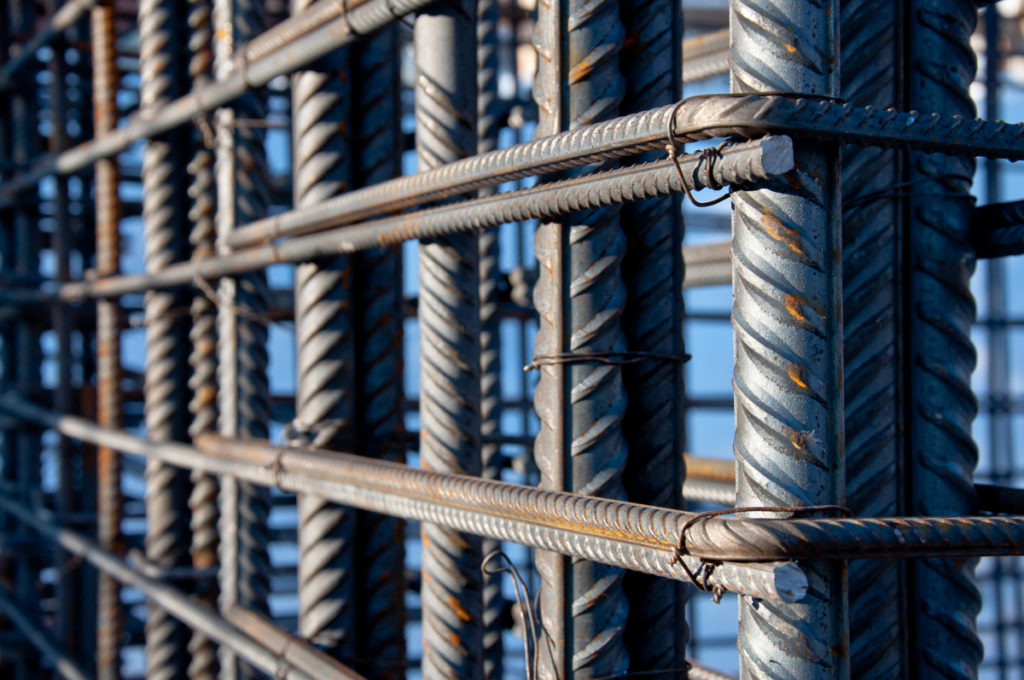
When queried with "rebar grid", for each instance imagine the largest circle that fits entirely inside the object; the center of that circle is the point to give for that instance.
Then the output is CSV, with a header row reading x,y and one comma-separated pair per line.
x,y
886,235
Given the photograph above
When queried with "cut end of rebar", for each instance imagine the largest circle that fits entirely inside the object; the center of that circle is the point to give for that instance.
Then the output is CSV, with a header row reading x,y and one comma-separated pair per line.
x,y
790,582
777,154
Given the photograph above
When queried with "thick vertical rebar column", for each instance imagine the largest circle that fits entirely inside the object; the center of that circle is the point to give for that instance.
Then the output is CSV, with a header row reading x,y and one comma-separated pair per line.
x,y
202,502
939,404
787,325
871,43
652,270
243,397
580,298
108,341
487,112
166,373
325,388
377,284
445,41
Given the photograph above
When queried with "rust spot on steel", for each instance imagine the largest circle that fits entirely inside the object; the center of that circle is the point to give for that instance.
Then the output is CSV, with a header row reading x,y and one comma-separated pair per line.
x,y
795,307
778,231
459,610
798,374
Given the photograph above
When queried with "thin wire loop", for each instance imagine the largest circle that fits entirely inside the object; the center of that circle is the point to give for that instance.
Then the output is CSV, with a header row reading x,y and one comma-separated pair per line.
x,y
524,604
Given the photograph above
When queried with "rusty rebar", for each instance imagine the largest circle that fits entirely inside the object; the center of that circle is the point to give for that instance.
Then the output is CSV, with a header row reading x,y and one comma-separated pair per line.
x,y
324,338
449,316
202,359
164,220
108,343
787,310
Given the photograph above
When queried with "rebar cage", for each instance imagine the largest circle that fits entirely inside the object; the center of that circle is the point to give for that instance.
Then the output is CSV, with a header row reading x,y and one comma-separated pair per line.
x,y
349,339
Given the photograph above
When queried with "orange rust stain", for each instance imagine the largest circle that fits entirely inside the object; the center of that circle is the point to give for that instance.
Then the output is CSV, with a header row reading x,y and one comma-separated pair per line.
x,y
791,48
798,375
780,232
459,610
793,304
798,439
455,640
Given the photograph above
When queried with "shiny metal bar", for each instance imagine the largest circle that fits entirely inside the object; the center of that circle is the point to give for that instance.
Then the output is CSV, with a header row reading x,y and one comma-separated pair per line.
x,y
787,328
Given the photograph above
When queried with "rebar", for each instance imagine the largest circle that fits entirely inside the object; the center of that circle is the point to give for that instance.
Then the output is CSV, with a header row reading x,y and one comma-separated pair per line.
x,y
997,229
380,411
872,221
488,109
108,342
693,119
449,316
788,361
740,164
202,383
163,214
939,405
325,384
653,271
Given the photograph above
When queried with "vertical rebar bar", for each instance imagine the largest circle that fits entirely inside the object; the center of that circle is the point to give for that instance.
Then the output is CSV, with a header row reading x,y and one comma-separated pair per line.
x,y
871,43
652,270
69,609
108,341
166,373
378,323
939,403
787,324
445,49
579,298
202,359
325,388
243,397
488,124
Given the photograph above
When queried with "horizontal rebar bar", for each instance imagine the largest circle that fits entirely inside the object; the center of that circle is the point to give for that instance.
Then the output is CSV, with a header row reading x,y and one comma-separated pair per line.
x,y
176,602
64,665
997,229
692,119
294,651
621,534
742,163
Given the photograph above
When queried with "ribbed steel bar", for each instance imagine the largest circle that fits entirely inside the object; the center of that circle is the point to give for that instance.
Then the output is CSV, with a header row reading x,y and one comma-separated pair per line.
x,y
166,373
292,650
449,317
939,404
380,570
579,299
653,272
705,56
325,383
245,300
617,533
787,327
708,264
202,359
194,614
871,41
65,666
693,119
105,82
740,164
260,60
488,110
